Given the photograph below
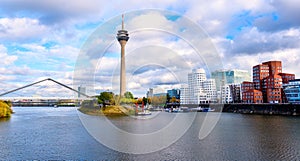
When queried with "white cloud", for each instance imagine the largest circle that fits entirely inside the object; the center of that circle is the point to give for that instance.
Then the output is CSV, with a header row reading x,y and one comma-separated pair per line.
x,y
20,29
5,58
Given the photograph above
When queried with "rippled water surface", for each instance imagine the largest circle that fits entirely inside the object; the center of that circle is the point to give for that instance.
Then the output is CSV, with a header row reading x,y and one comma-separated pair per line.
x,y
57,133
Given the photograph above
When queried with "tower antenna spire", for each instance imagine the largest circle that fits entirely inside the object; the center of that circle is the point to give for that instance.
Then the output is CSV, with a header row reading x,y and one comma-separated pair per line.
x,y
122,21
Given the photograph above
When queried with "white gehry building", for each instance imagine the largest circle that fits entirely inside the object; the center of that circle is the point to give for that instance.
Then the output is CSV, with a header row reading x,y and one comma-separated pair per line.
x,y
199,89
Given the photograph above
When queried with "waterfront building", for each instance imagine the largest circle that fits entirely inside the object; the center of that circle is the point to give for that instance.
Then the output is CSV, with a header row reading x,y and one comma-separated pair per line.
x,y
233,76
292,91
260,72
174,93
247,86
252,96
268,78
226,94
286,77
199,89
159,94
209,86
184,94
272,89
236,92
150,93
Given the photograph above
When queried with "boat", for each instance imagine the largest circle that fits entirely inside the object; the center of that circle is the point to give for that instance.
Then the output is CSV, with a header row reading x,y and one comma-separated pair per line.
x,y
203,109
143,113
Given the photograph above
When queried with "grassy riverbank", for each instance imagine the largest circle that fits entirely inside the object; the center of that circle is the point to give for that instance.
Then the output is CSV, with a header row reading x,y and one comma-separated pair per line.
x,y
5,109
107,111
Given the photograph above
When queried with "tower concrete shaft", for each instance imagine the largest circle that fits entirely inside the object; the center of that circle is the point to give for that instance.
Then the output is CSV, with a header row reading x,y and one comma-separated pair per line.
x,y
123,69
122,37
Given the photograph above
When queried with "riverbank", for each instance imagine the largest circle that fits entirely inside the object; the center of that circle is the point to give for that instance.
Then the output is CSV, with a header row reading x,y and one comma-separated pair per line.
x,y
107,111
5,109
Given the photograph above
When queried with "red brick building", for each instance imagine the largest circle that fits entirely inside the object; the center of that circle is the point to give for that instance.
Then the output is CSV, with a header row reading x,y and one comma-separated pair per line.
x,y
260,72
286,77
273,88
268,79
252,96
247,86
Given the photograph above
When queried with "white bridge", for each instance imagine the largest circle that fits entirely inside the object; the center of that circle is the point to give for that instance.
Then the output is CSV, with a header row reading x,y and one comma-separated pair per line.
x,y
46,101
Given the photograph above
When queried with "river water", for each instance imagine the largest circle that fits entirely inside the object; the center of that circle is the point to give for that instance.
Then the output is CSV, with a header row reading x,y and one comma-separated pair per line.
x,y
46,133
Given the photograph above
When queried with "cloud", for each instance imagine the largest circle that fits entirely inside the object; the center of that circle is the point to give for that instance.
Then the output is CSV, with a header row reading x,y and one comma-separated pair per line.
x,y
284,15
5,58
21,29
43,39
252,41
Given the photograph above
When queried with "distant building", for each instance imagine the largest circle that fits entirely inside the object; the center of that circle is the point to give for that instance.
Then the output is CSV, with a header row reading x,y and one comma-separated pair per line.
x,y
184,94
150,93
159,94
292,91
199,89
247,86
268,78
252,96
81,90
234,76
226,94
174,93
210,89
236,93
286,77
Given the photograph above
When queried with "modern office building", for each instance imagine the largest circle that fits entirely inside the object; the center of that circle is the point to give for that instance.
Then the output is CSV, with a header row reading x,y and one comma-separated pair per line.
x,y
174,93
226,94
234,76
184,94
292,91
267,78
236,93
199,89
253,96
150,93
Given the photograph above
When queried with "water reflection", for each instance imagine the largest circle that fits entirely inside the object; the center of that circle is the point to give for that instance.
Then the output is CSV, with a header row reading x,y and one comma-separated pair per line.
x,y
57,133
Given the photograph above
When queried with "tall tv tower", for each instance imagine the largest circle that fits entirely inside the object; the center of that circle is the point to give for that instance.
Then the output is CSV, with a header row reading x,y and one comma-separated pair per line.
x,y
122,37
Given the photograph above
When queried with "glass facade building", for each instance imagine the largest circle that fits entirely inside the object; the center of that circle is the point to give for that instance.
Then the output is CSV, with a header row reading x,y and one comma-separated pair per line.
x,y
234,76
292,91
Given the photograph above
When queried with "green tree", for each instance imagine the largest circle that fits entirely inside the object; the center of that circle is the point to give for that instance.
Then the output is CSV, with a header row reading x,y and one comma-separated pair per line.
x,y
128,95
106,98
145,100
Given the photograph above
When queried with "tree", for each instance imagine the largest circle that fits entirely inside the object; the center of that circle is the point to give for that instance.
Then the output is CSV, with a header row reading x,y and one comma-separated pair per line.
x,y
128,95
106,98
145,100
173,99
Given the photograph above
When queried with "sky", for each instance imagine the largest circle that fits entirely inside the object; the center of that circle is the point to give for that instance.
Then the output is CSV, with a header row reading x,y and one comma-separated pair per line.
x,y
74,42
